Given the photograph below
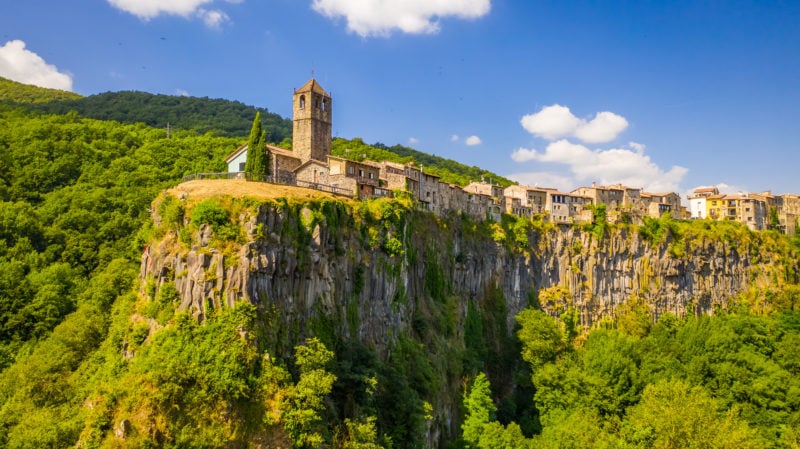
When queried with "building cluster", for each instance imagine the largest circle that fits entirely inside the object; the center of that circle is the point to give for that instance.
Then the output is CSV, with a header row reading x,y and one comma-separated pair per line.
x,y
310,163
756,210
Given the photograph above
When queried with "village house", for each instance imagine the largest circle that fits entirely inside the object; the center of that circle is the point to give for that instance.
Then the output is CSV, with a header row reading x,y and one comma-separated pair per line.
x,y
697,201
746,208
787,208
310,164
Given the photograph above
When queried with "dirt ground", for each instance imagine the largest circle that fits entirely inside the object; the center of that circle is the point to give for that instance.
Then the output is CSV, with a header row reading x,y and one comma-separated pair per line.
x,y
201,189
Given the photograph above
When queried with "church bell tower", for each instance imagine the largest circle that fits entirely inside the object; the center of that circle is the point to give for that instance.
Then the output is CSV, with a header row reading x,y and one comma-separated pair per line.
x,y
311,128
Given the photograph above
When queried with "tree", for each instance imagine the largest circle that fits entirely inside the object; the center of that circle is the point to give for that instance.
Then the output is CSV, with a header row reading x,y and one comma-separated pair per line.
x,y
480,410
672,414
541,337
256,165
302,419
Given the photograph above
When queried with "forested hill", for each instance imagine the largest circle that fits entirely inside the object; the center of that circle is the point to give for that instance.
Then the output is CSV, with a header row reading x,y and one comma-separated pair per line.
x,y
222,118
14,92
219,116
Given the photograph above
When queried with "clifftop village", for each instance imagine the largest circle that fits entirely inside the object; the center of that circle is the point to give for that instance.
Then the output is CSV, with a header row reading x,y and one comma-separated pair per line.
x,y
310,164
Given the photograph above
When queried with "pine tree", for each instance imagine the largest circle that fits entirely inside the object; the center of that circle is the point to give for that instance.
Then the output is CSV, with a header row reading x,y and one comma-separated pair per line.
x,y
256,165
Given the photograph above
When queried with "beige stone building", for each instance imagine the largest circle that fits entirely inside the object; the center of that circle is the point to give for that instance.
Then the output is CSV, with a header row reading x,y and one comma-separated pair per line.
x,y
787,207
397,176
534,198
312,121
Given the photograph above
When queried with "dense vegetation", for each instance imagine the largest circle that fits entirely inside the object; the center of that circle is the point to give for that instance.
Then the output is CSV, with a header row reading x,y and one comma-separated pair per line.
x,y
201,115
13,92
88,355
450,171
713,382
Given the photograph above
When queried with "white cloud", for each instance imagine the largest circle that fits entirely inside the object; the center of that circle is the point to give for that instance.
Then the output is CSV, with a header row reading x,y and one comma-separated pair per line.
x,y
381,17
454,138
213,18
473,140
22,65
413,140
556,121
149,9
181,92
541,179
632,168
637,147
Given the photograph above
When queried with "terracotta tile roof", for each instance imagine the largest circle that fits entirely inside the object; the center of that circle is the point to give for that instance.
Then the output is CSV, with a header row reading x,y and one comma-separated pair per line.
x,y
282,152
310,162
312,86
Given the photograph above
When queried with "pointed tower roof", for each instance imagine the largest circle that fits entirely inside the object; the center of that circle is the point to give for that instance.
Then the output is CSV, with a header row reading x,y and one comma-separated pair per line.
x,y
312,86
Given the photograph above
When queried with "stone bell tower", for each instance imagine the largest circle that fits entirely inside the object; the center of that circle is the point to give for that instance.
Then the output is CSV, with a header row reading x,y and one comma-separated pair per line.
x,y
311,129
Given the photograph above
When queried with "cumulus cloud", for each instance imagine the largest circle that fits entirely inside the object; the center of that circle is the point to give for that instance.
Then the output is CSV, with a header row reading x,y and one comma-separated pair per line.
x,y
213,18
556,121
413,140
382,17
182,92
542,179
148,9
22,65
454,138
630,167
472,140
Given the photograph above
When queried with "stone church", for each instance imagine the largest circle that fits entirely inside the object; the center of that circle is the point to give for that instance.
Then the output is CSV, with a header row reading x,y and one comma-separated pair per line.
x,y
310,162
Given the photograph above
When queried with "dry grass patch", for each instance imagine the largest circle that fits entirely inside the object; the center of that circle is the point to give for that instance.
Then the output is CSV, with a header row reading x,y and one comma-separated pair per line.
x,y
238,188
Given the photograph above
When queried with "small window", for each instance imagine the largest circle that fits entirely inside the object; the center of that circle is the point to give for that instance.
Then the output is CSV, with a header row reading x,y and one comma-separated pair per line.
x,y
241,166
370,175
302,101
350,170
360,173
324,104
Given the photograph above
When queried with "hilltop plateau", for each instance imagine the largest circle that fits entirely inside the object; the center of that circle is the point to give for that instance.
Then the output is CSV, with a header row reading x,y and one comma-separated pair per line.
x,y
140,311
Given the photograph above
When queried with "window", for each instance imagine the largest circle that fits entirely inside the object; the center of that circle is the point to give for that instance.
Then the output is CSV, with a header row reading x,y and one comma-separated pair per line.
x,y
241,166
324,104
350,170
360,173
302,101
370,175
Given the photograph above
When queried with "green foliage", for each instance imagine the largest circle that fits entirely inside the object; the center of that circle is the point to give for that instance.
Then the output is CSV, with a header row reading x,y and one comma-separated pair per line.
x,y
301,417
724,381
542,338
673,414
14,92
183,113
450,171
257,163
361,434
210,212
480,409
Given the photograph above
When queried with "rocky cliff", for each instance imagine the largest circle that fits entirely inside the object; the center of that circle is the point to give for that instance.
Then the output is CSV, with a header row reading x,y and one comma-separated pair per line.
x,y
376,271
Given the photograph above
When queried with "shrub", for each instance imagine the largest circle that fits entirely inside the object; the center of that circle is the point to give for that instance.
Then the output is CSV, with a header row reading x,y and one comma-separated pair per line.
x,y
211,213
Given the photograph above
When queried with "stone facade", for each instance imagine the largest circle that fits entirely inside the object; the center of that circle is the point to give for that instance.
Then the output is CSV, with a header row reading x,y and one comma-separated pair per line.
x,y
311,126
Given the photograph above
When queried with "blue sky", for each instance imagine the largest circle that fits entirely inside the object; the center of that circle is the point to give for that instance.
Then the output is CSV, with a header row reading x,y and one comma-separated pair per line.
x,y
654,94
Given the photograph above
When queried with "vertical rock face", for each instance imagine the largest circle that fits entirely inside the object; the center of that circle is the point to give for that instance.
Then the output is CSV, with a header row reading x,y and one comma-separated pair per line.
x,y
341,276
322,271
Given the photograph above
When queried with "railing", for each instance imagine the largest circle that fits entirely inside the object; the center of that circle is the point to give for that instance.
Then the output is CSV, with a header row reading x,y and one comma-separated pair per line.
x,y
281,179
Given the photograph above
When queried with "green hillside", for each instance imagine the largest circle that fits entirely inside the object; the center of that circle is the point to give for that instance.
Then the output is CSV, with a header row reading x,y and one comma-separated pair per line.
x,y
221,117
14,92
450,171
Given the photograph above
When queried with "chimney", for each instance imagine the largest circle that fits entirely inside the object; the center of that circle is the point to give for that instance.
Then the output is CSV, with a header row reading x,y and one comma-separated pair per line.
x,y
594,184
